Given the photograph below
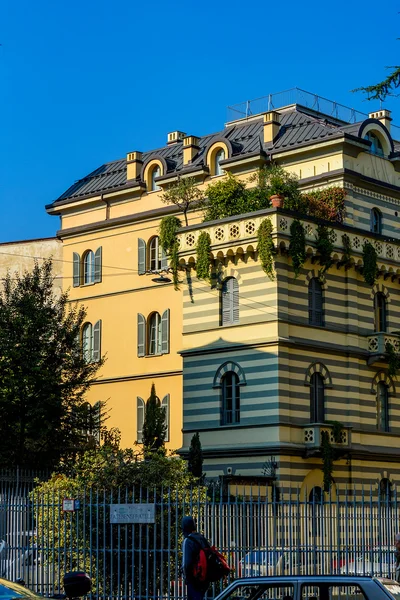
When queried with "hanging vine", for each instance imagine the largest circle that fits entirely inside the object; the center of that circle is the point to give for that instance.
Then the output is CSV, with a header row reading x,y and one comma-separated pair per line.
x,y
297,246
346,258
169,243
370,268
203,261
324,245
266,248
329,453
393,359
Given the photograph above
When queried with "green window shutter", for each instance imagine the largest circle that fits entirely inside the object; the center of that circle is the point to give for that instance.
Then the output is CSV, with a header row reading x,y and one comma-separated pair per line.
x,y
97,265
76,269
141,256
165,332
139,419
141,335
97,341
164,260
165,406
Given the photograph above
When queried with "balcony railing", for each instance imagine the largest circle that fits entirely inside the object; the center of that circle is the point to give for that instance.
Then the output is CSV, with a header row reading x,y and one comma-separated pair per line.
x,y
313,436
377,342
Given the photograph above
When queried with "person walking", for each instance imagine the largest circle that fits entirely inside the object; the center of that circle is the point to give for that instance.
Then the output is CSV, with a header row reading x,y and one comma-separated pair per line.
x,y
192,542
397,557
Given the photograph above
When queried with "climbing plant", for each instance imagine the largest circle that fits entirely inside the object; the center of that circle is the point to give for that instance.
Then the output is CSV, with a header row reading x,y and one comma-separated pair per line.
x,y
203,261
169,242
266,247
370,268
328,452
324,244
346,241
393,359
297,246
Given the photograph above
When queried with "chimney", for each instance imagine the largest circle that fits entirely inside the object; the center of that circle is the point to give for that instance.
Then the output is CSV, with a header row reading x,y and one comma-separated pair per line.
x,y
190,148
134,165
271,126
175,136
383,116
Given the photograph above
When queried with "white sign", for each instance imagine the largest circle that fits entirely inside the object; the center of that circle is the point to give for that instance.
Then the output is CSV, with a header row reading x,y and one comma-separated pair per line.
x,y
68,504
132,513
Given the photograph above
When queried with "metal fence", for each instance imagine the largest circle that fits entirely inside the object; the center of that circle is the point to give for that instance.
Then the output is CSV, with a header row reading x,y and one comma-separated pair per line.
x,y
129,540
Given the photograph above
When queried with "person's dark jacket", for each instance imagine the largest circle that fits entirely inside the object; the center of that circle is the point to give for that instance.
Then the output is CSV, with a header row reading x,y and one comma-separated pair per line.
x,y
190,551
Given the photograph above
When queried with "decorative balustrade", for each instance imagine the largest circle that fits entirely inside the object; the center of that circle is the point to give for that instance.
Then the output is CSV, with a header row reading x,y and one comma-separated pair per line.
x,y
313,436
377,342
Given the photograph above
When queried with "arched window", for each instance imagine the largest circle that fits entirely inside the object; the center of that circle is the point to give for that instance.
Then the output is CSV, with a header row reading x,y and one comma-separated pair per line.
x,y
376,144
382,407
230,301
380,312
315,302
230,409
139,419
317,398
88,267
219,155
315,499
156,172
155,338
375,221
87,342
157,257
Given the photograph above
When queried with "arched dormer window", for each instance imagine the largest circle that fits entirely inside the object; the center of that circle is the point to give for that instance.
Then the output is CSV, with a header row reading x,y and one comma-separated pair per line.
x,y
88,267
380,312
155,172
376,144
218,157
375,221
317,398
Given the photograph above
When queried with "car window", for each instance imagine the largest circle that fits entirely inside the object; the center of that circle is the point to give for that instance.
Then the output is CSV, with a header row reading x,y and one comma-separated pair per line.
x,y
262,592
393,588
331,592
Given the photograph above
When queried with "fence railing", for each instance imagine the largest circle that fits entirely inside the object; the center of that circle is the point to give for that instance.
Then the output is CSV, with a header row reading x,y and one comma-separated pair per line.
x,y
129,540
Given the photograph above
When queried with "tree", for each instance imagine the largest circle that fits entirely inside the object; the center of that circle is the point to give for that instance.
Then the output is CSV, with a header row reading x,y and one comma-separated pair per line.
x,y
195,457
379,91
43,373
226,198
184,194
154,425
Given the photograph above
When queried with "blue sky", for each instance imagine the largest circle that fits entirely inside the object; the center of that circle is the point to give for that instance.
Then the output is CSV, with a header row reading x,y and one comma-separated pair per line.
x,y
83,83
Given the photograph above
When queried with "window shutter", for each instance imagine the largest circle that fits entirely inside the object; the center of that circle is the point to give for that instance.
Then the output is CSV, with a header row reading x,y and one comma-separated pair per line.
x,y
165,332
141,341
164,260
318,303
76,269
141,256
225,301
97,265
97,341
139,419
165,405
235,300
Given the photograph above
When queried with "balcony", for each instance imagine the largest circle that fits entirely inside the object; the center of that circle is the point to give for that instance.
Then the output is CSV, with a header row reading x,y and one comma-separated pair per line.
x,y
377,345
312,436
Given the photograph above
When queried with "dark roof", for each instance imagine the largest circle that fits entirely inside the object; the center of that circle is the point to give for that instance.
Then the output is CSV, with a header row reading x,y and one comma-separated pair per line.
x,y
299,126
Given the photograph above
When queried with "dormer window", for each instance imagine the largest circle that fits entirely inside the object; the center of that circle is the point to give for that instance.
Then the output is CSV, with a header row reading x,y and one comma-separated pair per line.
x,y
156,172
376,144
219,156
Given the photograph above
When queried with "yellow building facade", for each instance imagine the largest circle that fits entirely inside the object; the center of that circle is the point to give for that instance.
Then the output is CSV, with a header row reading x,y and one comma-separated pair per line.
x,y
261,381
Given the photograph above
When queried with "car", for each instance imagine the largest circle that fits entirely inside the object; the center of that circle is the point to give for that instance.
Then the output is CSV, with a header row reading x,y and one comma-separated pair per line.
x,y
261,562
76,583
316,587
377,561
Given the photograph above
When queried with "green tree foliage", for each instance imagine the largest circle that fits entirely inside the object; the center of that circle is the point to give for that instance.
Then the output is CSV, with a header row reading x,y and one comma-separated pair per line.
x,y
154,426
184,194
393,359
168,230
203,260
380,91
370,268
273,179
327,204
43,374
226,198
297,246
324,244
195,457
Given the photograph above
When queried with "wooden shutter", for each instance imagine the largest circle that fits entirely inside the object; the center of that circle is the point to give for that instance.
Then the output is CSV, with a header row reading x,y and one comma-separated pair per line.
x,y
165,332
165,406
315,302
139,419
235,300
164,260
141,335
76,269
97,265
230,302
97,341
320,407
141,256
225,303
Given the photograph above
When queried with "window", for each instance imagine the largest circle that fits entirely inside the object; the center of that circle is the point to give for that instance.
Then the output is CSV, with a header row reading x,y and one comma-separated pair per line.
x,y
315,302
139,419
317,399
153,334
382,407
230,399
165,406
230,302
375,221
87,270
91,342
376,144
380,320
334,590
154,260
156,172
219,156
385,489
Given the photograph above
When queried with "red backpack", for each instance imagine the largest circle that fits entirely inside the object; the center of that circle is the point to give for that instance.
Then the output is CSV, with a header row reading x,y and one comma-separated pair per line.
x,y
211,565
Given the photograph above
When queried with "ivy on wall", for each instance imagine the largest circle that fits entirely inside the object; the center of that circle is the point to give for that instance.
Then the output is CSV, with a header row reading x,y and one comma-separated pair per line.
x,y
169,242
266,248
393,359
203,261
328,452
370,267
297,246
324,244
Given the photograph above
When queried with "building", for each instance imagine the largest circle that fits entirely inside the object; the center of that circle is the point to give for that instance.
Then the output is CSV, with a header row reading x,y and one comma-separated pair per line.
x,y
20,256
259,366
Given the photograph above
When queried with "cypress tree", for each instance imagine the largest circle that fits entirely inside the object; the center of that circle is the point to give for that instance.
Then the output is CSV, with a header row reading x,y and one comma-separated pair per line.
x,y
195,457
154,426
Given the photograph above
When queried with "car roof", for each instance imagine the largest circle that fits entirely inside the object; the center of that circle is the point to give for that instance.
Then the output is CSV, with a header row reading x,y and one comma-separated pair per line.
x,y
283,578
19,589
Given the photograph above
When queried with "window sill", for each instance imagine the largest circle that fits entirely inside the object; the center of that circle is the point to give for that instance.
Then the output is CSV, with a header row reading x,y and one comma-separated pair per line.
x,y
154,355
